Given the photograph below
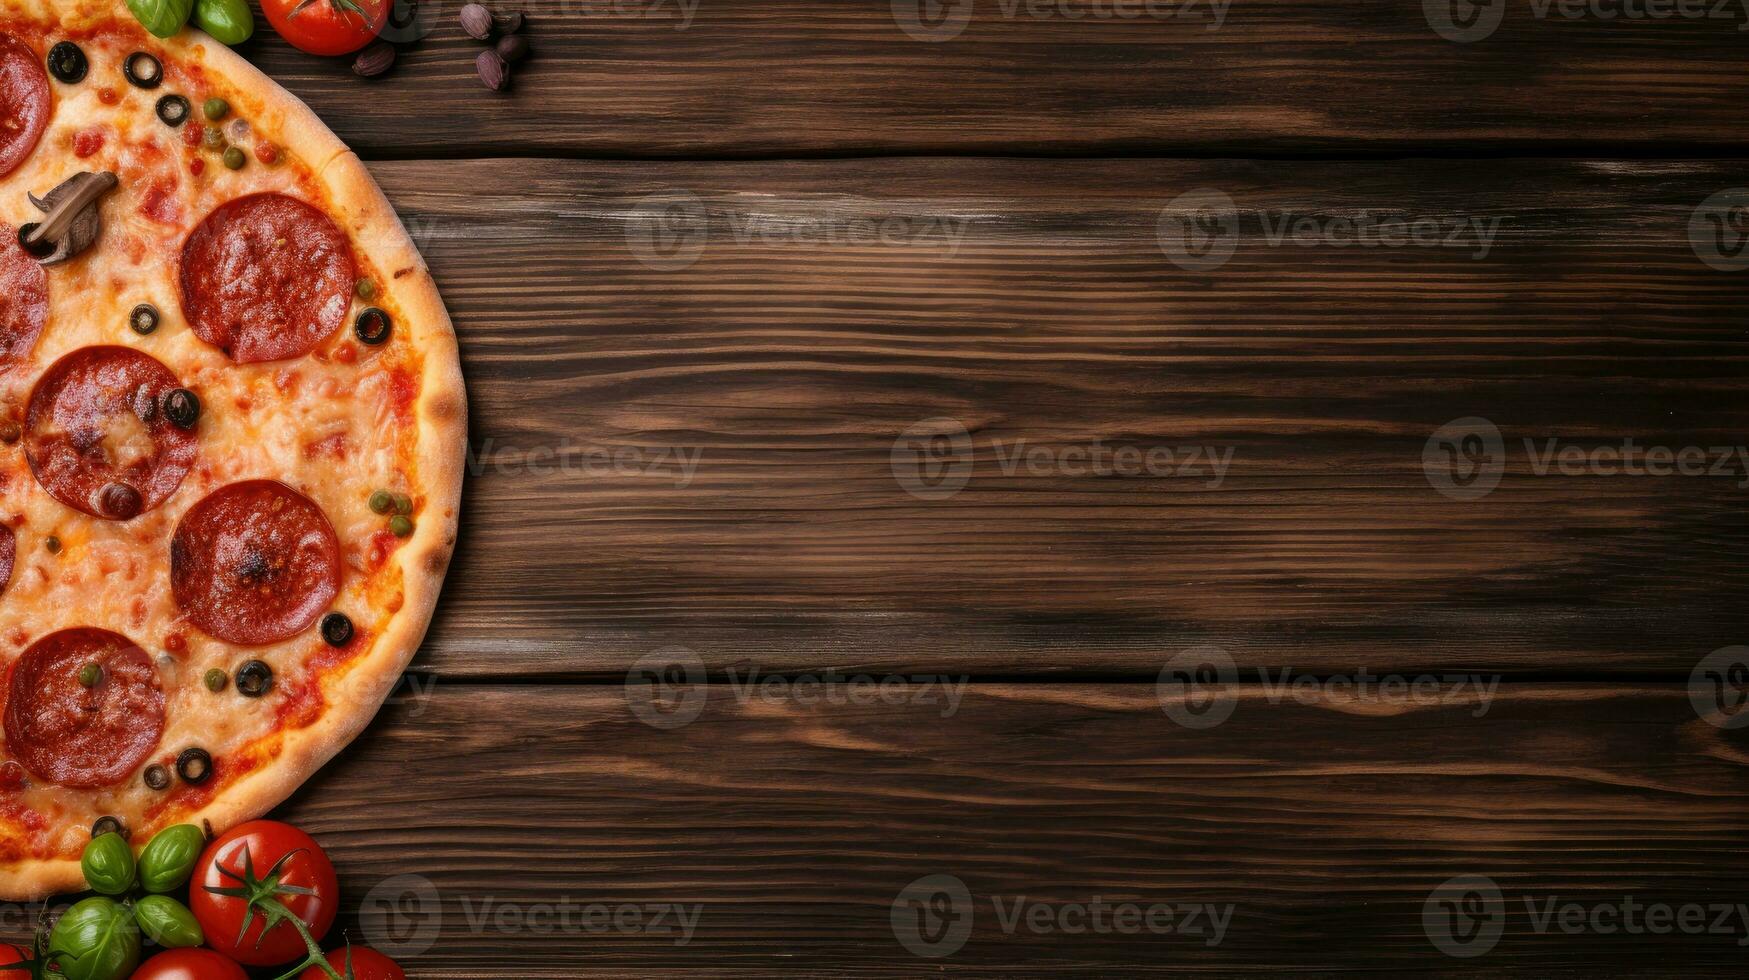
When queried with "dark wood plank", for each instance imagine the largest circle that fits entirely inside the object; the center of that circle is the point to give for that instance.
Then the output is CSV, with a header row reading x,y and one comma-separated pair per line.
x,y
792,826
781,77
790,364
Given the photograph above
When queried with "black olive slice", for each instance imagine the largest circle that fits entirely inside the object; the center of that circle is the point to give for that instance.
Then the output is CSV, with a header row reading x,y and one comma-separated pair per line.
x,y
157,777
194,766
144,319
372,326
173,110
120,501
254,679
40,250
143,70
337,629
108,825
68,63
182,407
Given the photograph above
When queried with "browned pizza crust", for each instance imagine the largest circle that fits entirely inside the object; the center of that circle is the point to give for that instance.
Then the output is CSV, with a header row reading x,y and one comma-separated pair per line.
x,y
358,206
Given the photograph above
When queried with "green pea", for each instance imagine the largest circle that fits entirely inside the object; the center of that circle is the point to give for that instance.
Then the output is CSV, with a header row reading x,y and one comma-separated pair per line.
x,y
108,863
230,22
169,858
381,502
215,108
167,922
234,158
216,680
403,504
400,525
90,674
96,939
366,289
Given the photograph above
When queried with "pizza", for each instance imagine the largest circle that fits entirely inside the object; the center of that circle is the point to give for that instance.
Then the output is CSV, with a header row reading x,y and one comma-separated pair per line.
x,y
232,428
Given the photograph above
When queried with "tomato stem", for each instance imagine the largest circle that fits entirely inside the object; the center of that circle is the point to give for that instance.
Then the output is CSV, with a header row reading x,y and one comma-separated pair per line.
x,y
262,895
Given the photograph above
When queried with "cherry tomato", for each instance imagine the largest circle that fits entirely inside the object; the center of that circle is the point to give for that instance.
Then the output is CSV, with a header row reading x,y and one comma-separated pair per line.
x,y
12,954
189,964
260,846
327,27
367,964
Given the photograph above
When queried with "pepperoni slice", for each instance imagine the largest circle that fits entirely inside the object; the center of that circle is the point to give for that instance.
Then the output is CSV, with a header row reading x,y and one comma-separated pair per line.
x,y
97,436
24,102
24,296
73,735
254,562
8,552
266,277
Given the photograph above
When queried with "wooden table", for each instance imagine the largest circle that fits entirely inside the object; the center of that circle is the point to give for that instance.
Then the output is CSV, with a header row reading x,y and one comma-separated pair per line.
x,y
792,339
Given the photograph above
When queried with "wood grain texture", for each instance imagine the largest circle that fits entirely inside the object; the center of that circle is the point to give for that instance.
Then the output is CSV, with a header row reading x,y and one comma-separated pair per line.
x,y
1032,302
794,824
641,78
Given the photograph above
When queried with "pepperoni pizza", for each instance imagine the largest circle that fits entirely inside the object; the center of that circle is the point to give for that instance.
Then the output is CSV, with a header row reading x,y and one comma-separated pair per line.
x,y
231,437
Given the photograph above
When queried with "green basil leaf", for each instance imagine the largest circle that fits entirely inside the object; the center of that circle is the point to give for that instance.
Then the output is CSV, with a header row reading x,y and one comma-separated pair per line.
x,y
167,922
162,17
230,22
170,856
96,939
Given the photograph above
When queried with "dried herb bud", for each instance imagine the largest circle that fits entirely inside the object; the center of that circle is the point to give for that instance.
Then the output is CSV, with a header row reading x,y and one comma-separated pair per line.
x,y
508,23
477,21
374,60
513,48
494,72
